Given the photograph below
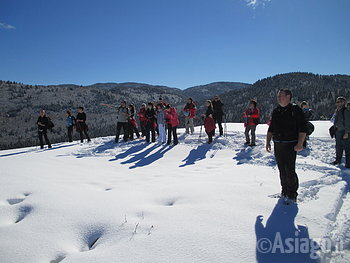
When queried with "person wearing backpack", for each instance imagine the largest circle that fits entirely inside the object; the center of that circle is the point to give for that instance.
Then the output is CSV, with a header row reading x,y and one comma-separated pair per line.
x,y
189,113
342,132
70,122
43,125
172,120
251,120
308,114
81,125
288,131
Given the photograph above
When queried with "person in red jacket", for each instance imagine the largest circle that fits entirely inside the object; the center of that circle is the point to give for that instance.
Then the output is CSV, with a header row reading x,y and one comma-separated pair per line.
x,y
172,120
251,116
209,121
189,113
143,119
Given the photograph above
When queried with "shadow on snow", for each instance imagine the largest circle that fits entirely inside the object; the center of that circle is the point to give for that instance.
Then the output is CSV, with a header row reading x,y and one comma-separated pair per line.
x,y
143,158
37,150
196,154
281,241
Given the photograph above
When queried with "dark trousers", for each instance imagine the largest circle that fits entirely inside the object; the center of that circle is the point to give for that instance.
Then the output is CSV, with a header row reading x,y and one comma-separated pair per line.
x,y
70,132
251,129
218,120
86,135
121,125
133,129
210,136
42,133
143,128
342,145
150,129
285,158
172,132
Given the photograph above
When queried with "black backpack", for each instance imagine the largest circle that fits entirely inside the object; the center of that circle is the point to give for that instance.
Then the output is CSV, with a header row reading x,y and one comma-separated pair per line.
x,y
50,124
309,128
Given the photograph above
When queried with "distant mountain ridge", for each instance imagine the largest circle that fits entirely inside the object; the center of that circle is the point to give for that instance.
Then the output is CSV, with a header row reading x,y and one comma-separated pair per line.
x,y
207,91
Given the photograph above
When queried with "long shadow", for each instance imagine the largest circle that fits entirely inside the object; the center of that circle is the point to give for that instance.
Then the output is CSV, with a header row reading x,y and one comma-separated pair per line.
x,y
139,156
37,150
104,147
196,155
245,155
281,241
111,145
130,151
153,157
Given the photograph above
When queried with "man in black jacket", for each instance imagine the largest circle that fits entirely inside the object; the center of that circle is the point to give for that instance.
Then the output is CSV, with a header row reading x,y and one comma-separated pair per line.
x,y
288,131
43,122
218,112
81,125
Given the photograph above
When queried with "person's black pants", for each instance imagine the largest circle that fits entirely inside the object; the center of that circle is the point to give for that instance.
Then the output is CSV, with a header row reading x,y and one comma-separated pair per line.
x,y
86,135
285,158
121,125
172,132
218,120
150,129
342,145
143,128
70,133
42,133
133,129
210,136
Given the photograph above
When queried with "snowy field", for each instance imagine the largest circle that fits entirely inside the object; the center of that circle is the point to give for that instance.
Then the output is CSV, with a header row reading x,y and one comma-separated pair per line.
x,y
194,202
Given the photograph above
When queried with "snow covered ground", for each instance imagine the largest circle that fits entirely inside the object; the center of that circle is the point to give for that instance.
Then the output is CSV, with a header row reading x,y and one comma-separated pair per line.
x,y
194,202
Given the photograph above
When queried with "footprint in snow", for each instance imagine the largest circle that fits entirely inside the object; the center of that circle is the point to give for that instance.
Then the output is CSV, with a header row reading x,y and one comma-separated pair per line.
x,y
14,201
58,259
23,212
91,239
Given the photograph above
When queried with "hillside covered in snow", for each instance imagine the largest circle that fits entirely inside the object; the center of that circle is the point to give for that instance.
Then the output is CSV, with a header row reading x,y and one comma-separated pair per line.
x,y
193,202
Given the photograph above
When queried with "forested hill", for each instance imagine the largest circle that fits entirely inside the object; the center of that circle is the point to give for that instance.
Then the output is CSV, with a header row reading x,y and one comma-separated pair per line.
x,y
204,92
20,103
320,91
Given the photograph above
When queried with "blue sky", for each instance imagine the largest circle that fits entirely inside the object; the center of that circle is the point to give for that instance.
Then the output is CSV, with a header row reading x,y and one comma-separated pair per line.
x,y
179,43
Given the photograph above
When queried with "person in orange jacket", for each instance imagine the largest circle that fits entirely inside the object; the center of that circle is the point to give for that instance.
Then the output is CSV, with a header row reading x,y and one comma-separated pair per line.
x,y
251,116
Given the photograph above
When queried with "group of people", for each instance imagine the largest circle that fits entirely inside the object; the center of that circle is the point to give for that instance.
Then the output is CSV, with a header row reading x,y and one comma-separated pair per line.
x,y
162,119
44,124
289,127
